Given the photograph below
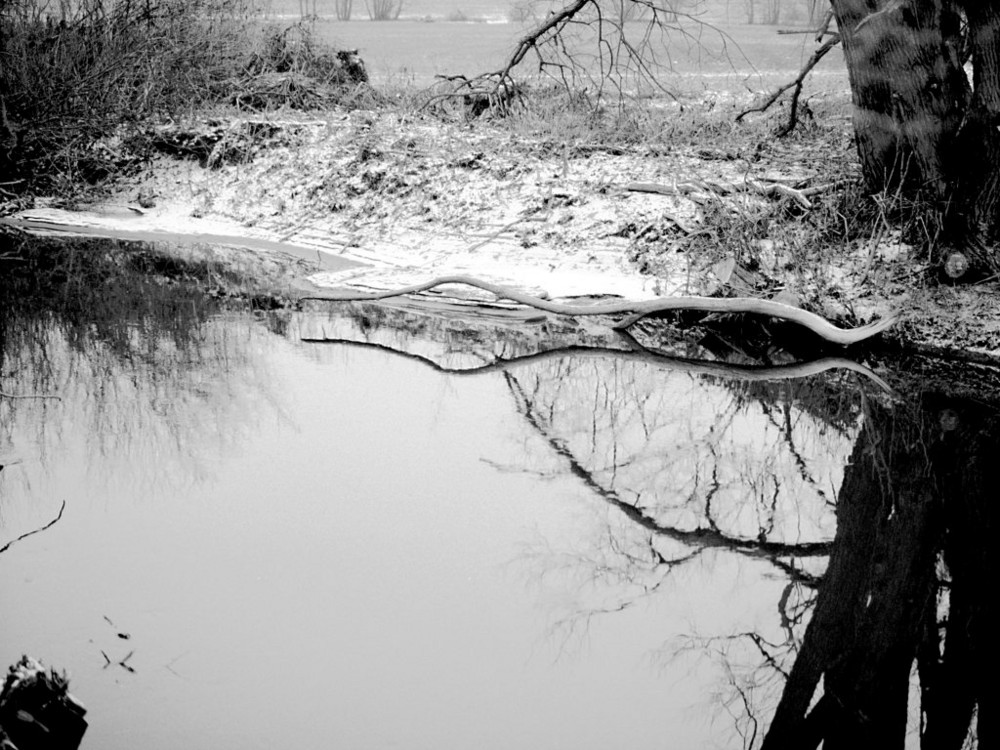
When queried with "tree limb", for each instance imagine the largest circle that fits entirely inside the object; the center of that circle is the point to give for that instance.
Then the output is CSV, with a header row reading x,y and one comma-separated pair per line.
x,y
641,308
811,63
530,40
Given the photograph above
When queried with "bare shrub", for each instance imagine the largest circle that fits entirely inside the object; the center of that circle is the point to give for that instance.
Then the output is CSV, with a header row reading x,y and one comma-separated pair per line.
x,y
73,75
79,82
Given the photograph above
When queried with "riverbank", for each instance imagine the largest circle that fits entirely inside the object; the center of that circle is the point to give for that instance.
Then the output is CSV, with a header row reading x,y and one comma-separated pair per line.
x,y
557,208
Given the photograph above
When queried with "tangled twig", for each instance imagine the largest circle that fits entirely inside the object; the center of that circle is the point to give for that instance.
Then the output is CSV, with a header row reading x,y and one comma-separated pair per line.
x,y
636,310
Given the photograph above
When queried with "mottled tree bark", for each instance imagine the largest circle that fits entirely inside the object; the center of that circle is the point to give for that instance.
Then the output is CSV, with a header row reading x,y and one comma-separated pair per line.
x,y
924,132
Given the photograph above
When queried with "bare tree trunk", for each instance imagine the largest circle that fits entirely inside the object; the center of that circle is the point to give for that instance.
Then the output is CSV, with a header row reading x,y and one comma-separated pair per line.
x,y
922,131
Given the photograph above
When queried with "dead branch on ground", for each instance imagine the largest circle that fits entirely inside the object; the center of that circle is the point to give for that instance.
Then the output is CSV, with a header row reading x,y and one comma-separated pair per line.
x,y
770,190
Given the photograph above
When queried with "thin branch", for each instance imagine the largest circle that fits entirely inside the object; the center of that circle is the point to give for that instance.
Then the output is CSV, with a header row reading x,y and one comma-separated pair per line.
x,y
716,369
818,55
49,525
530,41
824,27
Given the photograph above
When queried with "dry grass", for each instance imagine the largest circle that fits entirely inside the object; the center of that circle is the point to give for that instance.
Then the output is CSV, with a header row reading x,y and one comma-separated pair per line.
x,y
82,82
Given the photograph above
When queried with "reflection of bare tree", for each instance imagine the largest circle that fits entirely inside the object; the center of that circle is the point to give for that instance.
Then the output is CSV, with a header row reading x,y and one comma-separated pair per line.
x,y
903,589
677,456
127,341
876,517
695,465
692,465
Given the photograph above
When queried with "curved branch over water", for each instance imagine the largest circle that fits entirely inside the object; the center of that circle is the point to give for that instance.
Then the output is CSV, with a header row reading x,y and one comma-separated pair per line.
x,y
639,309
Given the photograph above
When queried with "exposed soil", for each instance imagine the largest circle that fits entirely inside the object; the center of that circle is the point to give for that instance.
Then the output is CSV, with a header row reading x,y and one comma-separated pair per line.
x,y
385,200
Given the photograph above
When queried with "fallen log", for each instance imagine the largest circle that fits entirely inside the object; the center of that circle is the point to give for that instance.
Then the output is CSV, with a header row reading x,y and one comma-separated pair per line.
x,y
636,310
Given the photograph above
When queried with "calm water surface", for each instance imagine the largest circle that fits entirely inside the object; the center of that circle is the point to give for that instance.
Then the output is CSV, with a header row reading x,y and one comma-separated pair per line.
x,y
263,541
331,547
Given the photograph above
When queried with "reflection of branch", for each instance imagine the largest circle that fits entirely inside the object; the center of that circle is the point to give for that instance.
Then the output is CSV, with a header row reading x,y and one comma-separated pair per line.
x,y
700,538
674,364
789,620
630,570
50,524
754,681
785,430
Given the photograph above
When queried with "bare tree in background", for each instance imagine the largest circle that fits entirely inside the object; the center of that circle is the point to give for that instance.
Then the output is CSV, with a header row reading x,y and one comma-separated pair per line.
x,y
814,11
604,47
307,9
344,8
771,14
384,10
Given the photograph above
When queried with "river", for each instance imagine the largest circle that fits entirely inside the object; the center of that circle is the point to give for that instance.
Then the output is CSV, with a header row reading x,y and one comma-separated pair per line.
x,y
359,527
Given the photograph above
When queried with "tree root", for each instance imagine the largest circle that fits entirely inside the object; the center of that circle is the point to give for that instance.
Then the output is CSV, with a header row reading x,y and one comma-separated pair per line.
x,y
636,310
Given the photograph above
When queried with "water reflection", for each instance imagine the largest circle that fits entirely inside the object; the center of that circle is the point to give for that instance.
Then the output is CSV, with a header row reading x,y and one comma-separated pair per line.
x,y
904,604
873,509
115,353
431,532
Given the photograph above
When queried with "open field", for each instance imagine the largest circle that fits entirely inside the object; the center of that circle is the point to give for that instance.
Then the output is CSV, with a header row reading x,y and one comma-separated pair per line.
x,y
732,57
436,37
